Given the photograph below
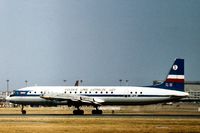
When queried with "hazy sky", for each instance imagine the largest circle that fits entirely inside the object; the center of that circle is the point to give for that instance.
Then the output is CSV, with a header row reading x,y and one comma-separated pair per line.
x,y
98,41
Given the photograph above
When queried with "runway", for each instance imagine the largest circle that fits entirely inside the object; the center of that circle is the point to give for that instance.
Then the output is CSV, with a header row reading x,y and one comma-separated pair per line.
x,y
162,116
119,122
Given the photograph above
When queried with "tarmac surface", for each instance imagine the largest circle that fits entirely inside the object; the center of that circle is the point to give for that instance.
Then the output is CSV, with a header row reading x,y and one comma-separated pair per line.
x,y
168,116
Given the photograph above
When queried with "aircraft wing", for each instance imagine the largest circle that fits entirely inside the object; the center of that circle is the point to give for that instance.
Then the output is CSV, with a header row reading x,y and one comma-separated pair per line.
x,y
72,98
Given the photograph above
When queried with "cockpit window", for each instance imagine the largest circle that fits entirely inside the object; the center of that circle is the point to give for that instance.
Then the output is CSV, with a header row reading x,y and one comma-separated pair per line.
x,y
19,93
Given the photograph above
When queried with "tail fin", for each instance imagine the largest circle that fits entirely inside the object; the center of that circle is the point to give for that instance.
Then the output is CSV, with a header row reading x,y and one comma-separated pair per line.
x,y
76,83
175,78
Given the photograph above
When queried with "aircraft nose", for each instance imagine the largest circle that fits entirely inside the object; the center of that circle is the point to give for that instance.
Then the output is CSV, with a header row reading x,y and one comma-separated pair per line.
x,y
8,98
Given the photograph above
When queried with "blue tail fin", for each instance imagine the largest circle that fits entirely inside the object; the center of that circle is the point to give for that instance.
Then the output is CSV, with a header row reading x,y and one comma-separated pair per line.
x,y
175,78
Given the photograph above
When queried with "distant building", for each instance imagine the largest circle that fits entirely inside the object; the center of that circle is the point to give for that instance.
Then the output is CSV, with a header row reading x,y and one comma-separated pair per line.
x,y
193,88
3,95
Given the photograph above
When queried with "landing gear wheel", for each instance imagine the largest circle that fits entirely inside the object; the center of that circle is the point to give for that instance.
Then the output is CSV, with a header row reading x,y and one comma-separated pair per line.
x,y
23,112
78,112
97,112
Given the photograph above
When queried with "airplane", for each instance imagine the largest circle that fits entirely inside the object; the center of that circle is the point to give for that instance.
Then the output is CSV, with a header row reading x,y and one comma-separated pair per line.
x,y
172,89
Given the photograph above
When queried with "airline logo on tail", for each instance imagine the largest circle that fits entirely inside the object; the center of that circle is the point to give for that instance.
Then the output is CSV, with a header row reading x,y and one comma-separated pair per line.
x,y
175,78
176,74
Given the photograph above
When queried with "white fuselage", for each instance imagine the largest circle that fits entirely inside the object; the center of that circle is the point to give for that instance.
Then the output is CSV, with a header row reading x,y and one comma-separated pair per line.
x,y
106,95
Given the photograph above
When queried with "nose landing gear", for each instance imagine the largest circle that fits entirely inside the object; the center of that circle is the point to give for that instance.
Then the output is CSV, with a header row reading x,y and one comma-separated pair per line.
x,y
22,110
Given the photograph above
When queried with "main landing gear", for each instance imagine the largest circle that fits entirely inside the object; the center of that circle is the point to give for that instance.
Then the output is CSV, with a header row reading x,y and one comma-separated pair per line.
x,y
97,111
81,112
78,111
22,110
